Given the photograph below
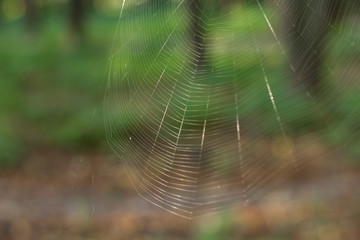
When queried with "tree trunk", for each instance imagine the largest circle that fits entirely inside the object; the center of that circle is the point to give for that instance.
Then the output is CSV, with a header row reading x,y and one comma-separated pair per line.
x,y
307,33
31,15
77,19
197,32
1,15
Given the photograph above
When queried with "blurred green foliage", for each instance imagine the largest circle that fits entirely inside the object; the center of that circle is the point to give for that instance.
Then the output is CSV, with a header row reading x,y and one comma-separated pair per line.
x,y
52,87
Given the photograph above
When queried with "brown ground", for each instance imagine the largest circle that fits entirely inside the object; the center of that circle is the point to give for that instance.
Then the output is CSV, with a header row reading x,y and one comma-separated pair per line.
x,y
64,195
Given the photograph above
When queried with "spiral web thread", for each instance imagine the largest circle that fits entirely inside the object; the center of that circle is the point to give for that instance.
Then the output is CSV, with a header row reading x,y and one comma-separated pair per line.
x,y
180,97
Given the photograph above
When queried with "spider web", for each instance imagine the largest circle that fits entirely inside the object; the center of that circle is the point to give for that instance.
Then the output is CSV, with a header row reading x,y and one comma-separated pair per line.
x,y
198,89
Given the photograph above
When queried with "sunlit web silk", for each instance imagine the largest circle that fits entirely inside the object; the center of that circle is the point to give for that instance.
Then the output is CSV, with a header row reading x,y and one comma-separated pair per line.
x,y
203,117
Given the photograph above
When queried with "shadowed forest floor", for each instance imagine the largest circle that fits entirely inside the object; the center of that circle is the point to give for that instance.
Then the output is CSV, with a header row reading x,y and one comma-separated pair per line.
x,y
66,195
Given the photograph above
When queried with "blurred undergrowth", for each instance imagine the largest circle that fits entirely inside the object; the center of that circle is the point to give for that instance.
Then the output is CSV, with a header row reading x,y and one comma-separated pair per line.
x,y
52,87
52,90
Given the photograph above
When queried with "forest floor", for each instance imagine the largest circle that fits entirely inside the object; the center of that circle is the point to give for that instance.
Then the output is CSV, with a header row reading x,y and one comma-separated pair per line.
x,y
56,194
